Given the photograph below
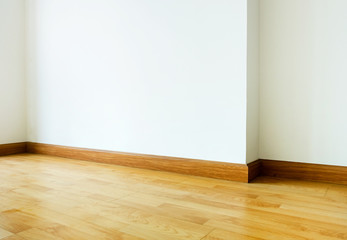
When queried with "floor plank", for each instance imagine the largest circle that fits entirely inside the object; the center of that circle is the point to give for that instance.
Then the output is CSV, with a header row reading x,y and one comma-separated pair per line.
x,y
45,197
4,233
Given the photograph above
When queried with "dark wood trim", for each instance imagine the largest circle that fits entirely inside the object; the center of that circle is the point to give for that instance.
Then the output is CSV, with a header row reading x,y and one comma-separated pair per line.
x,y
212,169
305,171
12,148
254,169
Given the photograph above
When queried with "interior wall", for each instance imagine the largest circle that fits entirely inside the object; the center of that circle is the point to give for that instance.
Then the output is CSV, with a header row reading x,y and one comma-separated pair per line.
x,y
12,74
252,142
303,49
155,77
131,76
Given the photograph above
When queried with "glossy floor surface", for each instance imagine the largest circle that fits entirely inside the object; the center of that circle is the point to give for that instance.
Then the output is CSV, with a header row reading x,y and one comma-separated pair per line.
x,y
44,197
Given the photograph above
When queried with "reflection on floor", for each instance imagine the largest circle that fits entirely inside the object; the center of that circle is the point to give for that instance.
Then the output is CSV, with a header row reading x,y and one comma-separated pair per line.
x,y
44,197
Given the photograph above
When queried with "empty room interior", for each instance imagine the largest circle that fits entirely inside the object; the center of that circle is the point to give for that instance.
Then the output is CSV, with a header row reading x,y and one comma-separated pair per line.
x,y
173,119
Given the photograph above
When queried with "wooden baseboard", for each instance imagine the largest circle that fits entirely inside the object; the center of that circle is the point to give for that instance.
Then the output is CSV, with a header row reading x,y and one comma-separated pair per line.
x,y
254,169
212,169
12,148
304,171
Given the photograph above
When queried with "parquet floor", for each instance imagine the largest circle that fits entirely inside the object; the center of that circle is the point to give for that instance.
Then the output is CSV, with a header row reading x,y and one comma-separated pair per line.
x,y
44,197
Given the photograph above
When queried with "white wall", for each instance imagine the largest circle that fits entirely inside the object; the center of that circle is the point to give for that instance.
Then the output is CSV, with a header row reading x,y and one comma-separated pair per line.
x,y
252,81
156,77
303,48
12,85
178,78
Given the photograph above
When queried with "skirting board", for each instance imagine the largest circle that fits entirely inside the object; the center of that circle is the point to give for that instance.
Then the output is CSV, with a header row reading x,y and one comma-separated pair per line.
x,y
304,171
212,169
12,148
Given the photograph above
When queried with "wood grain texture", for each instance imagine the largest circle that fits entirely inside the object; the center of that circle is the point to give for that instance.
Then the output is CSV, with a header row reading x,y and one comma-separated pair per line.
x,y
212,169
254,169
12,148
47,197
305,171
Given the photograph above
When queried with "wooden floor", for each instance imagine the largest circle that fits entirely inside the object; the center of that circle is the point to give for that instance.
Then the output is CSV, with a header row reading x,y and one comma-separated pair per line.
x,y
44,197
